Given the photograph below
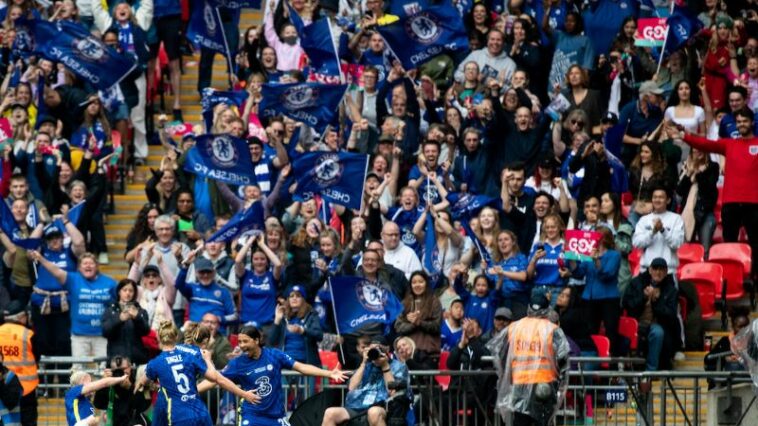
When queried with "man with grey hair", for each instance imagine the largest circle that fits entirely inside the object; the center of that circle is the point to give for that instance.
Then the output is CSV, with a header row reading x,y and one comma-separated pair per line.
x,y
641,118
396,253
171,253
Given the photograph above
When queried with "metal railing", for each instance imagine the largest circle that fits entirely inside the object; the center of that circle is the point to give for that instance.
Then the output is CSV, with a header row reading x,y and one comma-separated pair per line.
x,y
617,397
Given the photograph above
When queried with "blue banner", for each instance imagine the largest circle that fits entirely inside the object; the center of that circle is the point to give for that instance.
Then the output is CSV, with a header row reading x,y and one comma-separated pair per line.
x,y
250,219
206,30
337,176
432,263
315,104
358,302
221,157
236,4
465,205
212,97
85,55
683,25
317,42
74,213
418,38
23,43
10,228
614,138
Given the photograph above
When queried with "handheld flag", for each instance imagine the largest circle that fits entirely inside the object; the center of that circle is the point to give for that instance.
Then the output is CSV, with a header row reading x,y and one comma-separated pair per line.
x,y
317,42
250,219
10,228
432,263
337,176
651,32
221,157
464,205
683,24
206,30
85,55
418,38
483,252
74,213
212,97
314,104
358,302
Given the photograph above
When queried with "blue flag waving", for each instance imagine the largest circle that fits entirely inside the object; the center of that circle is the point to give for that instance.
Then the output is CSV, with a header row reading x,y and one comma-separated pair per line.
x,y
221,157
206,30
683,24
250,219
483,252
317,42
432,262
12,230
337,176
464,205
236,4
85,55
74,213
418,38
212,97
315,104
358,302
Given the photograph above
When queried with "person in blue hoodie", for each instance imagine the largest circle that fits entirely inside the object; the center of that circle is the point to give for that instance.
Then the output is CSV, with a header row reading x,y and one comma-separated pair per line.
x,y
601,294
205,295
482,302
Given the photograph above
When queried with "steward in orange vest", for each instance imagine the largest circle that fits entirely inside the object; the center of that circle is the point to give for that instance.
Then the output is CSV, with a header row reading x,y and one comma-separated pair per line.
x,y
530,357
16,345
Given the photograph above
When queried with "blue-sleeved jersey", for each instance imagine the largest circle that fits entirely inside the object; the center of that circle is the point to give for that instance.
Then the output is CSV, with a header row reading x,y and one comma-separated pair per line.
x,y
78,406
178,401
265,376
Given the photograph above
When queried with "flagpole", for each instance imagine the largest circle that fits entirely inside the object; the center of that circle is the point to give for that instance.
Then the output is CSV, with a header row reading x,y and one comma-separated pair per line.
x,y
665,40
336,322
228,52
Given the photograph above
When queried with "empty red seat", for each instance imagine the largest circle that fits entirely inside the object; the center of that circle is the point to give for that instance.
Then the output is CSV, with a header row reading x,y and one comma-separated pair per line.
x,y
603,345
443,381
634,261
707,278
628,328
690,253
736,260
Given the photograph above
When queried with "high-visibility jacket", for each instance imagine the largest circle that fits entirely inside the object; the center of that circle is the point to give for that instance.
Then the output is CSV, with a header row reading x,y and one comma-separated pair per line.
x,y
532,357
16,344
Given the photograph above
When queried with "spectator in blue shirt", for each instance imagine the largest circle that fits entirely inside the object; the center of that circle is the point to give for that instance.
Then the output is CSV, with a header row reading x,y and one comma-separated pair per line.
x,y
509,272
482,302
90,292
641,118
206,295
546,269
452,325
601,293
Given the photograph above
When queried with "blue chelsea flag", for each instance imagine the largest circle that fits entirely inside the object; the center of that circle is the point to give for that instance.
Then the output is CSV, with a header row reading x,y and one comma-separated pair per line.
x,y
315,104
418,38
683,24
206,30
212,97
250,219
337,176
85,55
221,157
359,302
317,42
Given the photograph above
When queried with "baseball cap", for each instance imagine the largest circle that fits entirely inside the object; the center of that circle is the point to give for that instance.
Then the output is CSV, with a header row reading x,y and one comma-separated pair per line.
x,y
15,308
504,313
203,264
650,87
538,302
151,268
659,262
53,232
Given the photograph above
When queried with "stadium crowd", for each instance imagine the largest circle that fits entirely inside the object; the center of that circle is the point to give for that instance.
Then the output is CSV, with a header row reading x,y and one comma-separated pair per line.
x,y
554,115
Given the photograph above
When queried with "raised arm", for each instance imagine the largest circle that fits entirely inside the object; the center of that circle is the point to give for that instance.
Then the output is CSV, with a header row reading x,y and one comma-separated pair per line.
x,y
102,384
239,260
59,274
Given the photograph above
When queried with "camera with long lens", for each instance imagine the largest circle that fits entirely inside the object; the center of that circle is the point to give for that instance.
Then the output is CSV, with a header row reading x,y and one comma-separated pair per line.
x,y
374,354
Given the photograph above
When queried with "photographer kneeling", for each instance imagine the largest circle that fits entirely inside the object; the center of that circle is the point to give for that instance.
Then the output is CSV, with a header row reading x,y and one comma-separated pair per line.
x,y
378,389
127,406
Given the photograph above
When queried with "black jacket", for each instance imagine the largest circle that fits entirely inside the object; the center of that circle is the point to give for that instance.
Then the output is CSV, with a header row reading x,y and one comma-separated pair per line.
x,y
664,309
125,337
127,406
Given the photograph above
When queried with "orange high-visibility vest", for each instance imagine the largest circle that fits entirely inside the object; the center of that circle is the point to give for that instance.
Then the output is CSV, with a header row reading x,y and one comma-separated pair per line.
x,y
16,344
531,355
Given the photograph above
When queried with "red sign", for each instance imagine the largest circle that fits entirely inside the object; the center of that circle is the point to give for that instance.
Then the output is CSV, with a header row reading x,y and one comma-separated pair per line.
x,y
650,32
580,244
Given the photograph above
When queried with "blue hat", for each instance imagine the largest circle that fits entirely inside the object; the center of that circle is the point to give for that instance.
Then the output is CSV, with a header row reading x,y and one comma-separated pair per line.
x,y
203,264
296,288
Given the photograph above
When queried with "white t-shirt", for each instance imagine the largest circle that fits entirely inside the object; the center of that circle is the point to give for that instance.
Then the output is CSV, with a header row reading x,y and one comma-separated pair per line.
x,y
690,124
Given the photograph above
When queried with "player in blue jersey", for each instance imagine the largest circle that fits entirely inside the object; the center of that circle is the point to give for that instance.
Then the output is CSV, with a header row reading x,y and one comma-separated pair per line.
x,y
260,369
177,368
79,409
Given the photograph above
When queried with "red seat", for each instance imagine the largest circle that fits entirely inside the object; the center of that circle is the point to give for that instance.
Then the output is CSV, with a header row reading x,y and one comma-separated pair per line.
x,y
689,253
233,339
603,345
329,361
443,381
736,260
707,278
628,327
634,261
